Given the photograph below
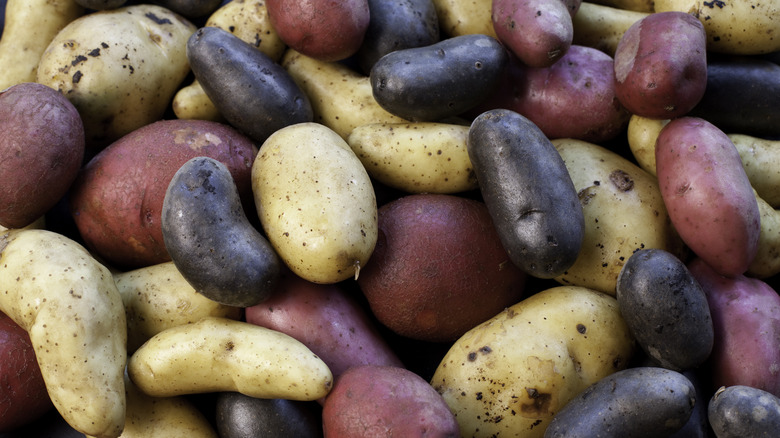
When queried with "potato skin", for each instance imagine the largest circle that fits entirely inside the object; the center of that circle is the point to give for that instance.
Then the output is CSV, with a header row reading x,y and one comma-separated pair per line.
x,y
239,415
41,151
116,201
635,402
533,203
661,65
323,29
372,400
741,411
708,194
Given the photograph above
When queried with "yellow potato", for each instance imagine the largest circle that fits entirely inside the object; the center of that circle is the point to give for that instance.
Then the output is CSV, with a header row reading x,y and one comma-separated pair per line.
x,y
158,297
509,375
629,5
315,202
623,212
68,303
767,260
601,27
418,157
457,17
30,25
120,68
220,354
341,98
733,27
642,133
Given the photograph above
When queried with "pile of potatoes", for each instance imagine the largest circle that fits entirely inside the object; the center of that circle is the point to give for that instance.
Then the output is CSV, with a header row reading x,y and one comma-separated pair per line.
x,y
528,218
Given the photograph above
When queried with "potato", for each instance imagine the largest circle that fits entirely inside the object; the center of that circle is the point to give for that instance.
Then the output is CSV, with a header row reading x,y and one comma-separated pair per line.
x,y
210,238
533,203
746,319
745,28
441,80
623,211
120,68
22,44
422,157
457,17
635,402
707,193
511,374
323,29
116,201
101,5
665,309
191,8
254,93
646,6
23,396
41,151
69,305
372,400
238,415
328,320
315,202
661,65
342,98
739,411
642,133
438,268
158,297
219,354
603,26
766,263
538,32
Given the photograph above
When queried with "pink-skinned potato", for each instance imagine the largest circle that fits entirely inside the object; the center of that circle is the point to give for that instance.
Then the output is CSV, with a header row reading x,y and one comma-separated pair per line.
x,y
746,321
41,151
117,198
325,318
438,268
661,65
707,194
23,395
382,401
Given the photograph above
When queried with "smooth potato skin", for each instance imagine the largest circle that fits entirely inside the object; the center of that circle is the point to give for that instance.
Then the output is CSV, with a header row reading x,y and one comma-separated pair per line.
x,y
707,194
746,321
323,29
743,411
242,416
116,201
377,401
661,65
41,151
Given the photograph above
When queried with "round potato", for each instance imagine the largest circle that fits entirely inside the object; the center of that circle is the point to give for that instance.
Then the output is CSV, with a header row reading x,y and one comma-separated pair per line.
x,y
741,411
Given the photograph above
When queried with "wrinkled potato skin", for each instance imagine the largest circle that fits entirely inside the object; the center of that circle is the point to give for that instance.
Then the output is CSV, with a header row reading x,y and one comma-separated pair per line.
x,y
511,374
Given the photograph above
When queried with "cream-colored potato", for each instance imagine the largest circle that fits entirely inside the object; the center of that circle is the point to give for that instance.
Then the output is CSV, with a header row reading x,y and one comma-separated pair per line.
x,y
39,223
743,27
421,157
68,303
158,297
642,133
646,6
120,68
601,27
623,212
767,260
315,202
341,97
30,25
246,19
458,17
220,354
509,375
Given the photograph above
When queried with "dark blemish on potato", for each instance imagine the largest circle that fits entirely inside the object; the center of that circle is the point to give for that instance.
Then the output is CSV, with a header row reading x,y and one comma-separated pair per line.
x,y
77,77
78,60
536,423
581,329
485,350
157,19
497,419
719,3
621,180
617,363
472,356
683,189
94,53
541,402
229,345
479,396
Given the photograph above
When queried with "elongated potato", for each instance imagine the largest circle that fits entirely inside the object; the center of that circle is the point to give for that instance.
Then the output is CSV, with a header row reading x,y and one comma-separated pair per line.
x,y
219,354
602,26
29,27
68,303
315,202
416,157
767,260
642,133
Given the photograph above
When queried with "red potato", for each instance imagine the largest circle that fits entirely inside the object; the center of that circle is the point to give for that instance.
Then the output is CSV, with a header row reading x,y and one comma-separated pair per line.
x,y
41,150
116,201
327,320
322,29
438,268
661,65
23,395
746,321
707,193
375,401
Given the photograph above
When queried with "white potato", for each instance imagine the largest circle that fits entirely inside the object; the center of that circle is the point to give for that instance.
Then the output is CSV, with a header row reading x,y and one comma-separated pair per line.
x,y
315,202
220,354
421,157
120,68
68,303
